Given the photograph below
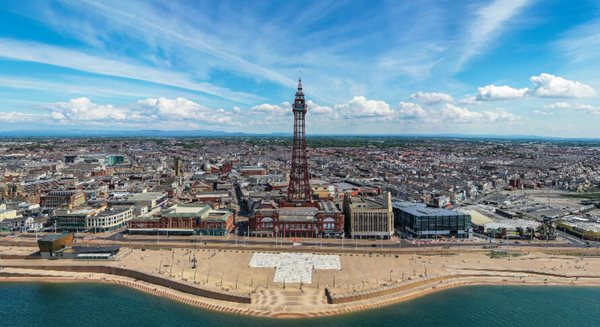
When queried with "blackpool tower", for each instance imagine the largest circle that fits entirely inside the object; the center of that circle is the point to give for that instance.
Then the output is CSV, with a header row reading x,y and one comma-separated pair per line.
x,y
299,189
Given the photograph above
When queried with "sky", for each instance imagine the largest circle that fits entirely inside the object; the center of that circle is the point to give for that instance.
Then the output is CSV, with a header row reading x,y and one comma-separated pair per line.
x,y
518,67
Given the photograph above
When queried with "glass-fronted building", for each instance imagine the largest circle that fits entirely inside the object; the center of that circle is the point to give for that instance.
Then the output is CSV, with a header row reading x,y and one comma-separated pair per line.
x,y
422,221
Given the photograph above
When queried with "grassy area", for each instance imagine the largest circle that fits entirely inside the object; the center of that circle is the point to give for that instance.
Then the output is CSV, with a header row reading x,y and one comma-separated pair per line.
x,y
585,196
587,235
503,254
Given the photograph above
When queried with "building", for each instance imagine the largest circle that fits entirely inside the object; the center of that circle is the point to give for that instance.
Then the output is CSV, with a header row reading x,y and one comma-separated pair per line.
x,y
178,166
253,170
30,224
109,219
7,213
98,159
322,220
115,159
369,217
298,215
60,246
63,199
322,190
330,220
189,219
422,221
53,243
65,220
89,219
142,202
216,223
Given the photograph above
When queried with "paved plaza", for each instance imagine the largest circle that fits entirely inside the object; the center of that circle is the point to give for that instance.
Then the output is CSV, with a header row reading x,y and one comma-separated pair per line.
x,y
295,267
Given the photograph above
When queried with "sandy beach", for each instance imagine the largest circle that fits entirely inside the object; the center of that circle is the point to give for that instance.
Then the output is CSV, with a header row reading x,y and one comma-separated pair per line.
x,y
366,280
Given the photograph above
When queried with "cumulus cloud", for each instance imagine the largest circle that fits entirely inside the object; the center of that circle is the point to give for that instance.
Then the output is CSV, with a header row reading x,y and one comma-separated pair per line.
x,y
83,110
468,99
502,92
361,107
543,113
315,108
463,115
411,111
177,109
282,109
586,108
550,86
17,117
432,97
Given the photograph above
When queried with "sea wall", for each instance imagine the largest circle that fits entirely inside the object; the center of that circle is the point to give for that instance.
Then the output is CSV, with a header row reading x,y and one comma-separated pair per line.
x,y
152,279
333,298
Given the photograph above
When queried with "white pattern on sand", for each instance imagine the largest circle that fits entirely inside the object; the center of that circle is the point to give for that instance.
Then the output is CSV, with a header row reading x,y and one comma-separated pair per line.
x,y
295,267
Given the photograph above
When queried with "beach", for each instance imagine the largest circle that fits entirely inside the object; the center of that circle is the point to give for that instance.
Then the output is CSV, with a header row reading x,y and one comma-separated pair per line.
x,y
366,280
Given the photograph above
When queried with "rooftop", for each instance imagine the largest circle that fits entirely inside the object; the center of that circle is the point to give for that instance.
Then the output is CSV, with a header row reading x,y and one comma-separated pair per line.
x,y
53,237
147,196
186,210
422,210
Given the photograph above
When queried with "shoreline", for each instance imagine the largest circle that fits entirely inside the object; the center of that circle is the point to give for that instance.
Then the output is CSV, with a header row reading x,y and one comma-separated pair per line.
x,y
326,310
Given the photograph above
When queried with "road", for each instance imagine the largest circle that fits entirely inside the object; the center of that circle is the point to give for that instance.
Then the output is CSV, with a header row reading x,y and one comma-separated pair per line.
x,y
323,243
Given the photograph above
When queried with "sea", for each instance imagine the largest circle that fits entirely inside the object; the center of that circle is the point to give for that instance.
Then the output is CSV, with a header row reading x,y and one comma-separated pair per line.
x,y
93,304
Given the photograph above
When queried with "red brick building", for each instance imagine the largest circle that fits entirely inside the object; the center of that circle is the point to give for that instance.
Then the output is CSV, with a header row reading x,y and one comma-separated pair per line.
x,y
321,220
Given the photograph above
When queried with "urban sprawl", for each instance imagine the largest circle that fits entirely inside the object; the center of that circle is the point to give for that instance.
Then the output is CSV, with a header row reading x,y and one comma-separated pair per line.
x,y
299,227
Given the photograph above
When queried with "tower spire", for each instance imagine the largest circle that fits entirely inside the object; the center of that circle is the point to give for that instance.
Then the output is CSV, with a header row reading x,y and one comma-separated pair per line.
x,y
299,187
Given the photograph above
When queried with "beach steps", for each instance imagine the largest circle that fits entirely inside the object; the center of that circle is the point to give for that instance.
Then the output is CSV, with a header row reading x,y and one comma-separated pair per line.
x,y
287,299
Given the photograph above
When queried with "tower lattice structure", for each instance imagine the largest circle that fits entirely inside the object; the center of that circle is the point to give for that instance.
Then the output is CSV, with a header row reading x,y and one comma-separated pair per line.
x,y
299,188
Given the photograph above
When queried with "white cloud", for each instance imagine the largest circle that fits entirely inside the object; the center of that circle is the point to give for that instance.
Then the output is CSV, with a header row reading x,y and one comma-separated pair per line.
x,y
155,110
586,108
543,113
411,111
315,108
468,99
547,85
150,23
82,109
178,109
267,108
361,107
432,97
51,55
558,105
452,113
489,22
17,117
503,92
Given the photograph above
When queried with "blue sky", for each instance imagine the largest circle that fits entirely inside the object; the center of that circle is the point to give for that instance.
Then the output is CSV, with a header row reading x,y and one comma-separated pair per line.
x,y
369,67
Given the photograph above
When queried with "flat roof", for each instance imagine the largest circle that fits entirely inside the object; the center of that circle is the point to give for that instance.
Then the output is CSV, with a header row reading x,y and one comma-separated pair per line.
x,y
53,237
96,249
111,212
422,210
217,215
147,196
94,255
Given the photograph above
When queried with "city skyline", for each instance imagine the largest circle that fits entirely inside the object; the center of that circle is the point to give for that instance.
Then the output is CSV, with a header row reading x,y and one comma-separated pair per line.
x,y
483,67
